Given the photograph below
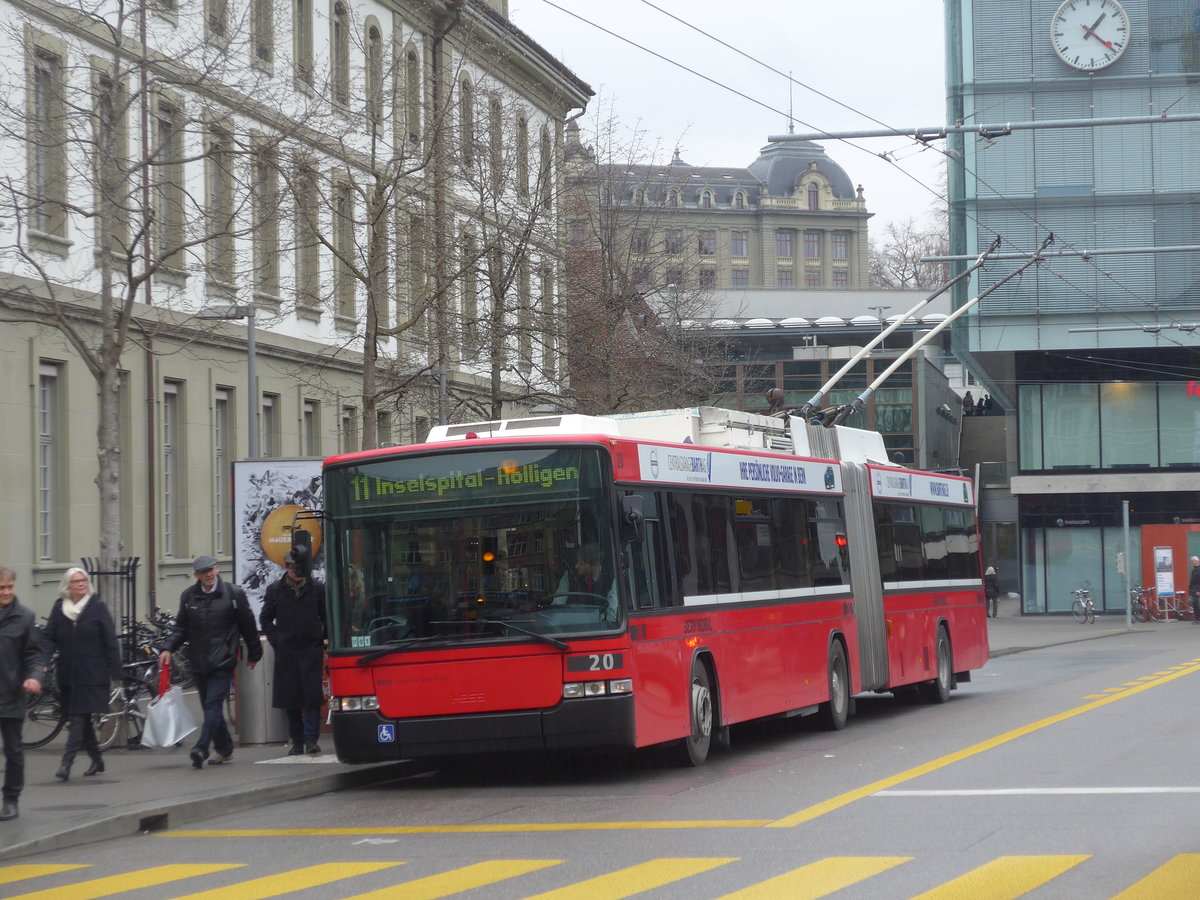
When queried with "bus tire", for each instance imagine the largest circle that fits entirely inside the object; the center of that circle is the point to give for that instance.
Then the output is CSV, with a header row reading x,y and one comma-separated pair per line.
x,y
833,714
938,690
700,717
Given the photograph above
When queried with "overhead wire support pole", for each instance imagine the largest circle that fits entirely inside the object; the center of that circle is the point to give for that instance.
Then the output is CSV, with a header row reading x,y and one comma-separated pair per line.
x,y
810,408
849,409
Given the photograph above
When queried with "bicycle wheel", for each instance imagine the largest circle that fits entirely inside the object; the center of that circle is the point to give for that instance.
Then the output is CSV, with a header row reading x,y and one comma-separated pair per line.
x,y
1139,611
44,719
1079,611
1091,612
107,725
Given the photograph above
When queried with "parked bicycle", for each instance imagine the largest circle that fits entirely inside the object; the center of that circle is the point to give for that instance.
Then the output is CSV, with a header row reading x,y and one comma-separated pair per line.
x,y
1083,609
127,704
1143,607
44,715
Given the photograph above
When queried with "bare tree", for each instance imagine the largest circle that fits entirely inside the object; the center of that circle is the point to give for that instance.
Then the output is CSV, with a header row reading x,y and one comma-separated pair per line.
x,y
110,199
897,262
636,295
438,192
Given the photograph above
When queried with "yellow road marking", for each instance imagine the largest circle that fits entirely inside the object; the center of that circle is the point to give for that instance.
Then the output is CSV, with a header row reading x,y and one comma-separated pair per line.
x,y
120,884
835,803
1177,877
819,879
1004,878
9,874
532,827
458,880
634,879
287,882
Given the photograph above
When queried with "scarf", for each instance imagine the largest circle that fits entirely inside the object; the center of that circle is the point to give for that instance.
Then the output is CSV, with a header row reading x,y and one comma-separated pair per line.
x,y
72,610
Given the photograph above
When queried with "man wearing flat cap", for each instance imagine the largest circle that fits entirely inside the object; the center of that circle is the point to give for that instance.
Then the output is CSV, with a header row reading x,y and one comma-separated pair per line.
x,y
293,619
212,616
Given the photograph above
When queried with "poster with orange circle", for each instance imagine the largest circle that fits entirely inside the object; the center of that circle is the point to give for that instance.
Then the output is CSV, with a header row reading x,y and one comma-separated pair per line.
x,y
277,531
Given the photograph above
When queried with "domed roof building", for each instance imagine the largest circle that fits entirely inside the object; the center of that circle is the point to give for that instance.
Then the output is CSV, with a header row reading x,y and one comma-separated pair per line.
x,y
792,219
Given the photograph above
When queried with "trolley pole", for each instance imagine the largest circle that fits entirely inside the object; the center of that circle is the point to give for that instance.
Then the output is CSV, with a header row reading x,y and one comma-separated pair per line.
x,y
1128,565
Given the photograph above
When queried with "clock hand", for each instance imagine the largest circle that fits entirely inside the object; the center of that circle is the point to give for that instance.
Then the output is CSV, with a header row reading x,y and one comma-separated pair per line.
x,y
1091,32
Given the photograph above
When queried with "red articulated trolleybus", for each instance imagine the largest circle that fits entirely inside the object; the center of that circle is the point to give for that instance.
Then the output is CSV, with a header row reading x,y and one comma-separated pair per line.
x,y
618,582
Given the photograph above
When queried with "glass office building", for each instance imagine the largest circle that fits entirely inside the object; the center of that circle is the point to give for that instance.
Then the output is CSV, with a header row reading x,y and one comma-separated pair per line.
x,y
1089,352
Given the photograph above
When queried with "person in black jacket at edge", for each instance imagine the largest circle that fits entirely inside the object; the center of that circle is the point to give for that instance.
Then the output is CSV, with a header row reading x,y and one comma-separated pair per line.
x,y
1194,589
293,619
21,674
212,615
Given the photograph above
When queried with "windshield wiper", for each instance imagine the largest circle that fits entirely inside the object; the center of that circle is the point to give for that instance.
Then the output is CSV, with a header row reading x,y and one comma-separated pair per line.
x,y
399,644
537,636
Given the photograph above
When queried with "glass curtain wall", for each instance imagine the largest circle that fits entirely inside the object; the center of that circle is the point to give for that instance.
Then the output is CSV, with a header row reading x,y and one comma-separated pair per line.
x,y
1057,561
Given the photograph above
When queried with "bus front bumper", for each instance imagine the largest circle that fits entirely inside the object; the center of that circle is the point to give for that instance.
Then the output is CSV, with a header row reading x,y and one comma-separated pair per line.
x,y
587,722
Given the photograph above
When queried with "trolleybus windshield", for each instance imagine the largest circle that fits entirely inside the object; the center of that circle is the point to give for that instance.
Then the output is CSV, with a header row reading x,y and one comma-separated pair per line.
x,y
487,545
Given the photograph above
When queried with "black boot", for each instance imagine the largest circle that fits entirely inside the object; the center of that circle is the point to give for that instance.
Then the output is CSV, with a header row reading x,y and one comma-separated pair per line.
x,y
96,768
8,810
64,772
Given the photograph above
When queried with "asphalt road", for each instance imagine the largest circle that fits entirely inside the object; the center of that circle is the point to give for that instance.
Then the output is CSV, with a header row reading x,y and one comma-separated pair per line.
x,y
1060,772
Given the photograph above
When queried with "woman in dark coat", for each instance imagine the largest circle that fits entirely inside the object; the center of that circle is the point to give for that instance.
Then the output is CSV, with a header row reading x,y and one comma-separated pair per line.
x,y
81,630
293,619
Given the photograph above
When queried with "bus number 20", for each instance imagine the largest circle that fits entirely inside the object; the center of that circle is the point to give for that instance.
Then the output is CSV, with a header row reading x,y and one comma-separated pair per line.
x,y
601,662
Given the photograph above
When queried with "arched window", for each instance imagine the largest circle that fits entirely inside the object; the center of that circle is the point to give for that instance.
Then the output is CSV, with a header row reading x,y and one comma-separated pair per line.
x,y
340,53
814,196
706,200
466,121
374,72
739,200
412,95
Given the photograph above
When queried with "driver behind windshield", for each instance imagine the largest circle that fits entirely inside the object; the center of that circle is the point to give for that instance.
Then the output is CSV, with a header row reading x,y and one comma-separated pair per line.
x,y
587,582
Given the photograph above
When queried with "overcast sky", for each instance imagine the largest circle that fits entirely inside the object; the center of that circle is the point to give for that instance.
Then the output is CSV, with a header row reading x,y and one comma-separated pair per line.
x,y
883,59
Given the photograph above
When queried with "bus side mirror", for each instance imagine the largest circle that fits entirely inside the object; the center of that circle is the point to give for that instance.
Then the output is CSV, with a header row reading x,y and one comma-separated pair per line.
x,y
633,526
302,551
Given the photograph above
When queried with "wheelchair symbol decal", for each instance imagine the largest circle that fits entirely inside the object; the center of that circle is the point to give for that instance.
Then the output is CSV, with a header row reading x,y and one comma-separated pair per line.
x,y
386,734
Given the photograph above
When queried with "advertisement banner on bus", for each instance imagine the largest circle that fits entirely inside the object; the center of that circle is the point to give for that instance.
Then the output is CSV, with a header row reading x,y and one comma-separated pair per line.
x,y
678,465
896,484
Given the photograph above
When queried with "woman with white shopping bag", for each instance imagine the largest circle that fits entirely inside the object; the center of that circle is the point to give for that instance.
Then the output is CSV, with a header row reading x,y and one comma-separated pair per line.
x,y
167,719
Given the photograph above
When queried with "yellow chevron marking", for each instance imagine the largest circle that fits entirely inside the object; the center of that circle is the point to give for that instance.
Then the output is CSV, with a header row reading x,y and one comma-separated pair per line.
x,y
9,874
1177,877
1004,878
120,884
634,879
819,879
287,882
530,827
457,880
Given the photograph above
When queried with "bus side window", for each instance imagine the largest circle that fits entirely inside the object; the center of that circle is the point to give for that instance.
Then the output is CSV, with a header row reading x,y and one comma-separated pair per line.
x,y
645,575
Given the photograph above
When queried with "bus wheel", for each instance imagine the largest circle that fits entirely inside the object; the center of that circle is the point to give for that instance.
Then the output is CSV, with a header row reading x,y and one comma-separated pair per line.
x,y
938,690
833,714
696,745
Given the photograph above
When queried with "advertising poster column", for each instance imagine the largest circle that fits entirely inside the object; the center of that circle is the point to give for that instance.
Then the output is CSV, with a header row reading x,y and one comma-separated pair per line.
x,y
270,499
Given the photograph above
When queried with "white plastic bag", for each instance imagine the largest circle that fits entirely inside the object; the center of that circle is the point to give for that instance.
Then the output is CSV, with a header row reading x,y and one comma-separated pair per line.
x,y
167,720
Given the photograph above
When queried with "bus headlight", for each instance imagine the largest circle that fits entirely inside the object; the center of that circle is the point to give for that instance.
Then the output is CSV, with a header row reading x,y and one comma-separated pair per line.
x,y
575,689
354,704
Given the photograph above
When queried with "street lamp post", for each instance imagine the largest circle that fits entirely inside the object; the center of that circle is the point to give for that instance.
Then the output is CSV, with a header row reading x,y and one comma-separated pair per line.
x,y
879,310
245,311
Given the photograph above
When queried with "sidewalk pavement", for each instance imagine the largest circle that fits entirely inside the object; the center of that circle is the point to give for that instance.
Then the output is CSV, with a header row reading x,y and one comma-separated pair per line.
x,y
150,790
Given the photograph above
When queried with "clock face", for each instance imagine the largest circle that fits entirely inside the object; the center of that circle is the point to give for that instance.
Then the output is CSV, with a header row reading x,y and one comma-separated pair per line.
x,y
1090,34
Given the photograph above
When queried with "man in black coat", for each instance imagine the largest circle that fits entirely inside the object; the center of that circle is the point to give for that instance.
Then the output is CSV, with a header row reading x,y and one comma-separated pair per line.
x,y
21,673
293,619
1194,589
212,614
